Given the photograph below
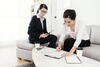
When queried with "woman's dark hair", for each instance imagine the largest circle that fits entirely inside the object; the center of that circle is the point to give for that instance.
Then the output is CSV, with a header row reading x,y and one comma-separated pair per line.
x,y
42,6
69,13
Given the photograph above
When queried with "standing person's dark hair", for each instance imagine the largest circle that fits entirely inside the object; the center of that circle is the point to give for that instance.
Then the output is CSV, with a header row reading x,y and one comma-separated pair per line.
x,y
70,13
42,6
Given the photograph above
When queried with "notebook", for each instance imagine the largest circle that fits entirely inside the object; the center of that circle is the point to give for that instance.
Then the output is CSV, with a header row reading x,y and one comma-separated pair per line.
x,y
74,59
53,53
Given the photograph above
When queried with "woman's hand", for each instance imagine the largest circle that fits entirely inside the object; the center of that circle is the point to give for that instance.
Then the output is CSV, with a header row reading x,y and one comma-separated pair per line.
x,y
67,54
58,48
43,35
70,53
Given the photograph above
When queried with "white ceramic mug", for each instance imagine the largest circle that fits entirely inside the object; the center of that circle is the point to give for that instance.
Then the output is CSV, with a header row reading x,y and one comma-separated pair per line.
x,y
79,53
37,45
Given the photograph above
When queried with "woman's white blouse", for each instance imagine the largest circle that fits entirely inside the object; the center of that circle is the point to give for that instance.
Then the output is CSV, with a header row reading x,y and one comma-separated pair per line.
x,y
79,34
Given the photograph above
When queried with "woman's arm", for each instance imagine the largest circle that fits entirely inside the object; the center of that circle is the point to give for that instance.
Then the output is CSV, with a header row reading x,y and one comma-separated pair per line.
x,y
60,43
70,52
32,30
59,46
73,49
77,42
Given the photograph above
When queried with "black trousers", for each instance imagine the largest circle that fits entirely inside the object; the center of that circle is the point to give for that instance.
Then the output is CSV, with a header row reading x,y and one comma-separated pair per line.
x,y
51,39
68,44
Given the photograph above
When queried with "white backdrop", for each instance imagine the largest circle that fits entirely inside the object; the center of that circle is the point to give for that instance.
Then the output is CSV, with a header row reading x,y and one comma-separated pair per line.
x,y
14,19
15,16
87,10
8,20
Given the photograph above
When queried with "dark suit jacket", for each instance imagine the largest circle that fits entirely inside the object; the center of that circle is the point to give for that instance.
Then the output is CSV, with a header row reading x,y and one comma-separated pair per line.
x,y
35,29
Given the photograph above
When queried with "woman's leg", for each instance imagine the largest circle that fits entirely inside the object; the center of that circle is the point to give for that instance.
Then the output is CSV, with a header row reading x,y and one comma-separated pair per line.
x,y
68,44
51,39
85,43
31,40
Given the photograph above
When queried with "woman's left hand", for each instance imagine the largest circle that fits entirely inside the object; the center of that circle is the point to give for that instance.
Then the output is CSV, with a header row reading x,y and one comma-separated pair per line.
x,y
67,54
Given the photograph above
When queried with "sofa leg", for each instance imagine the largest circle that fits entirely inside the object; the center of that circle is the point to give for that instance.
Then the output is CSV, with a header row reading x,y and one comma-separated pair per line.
x,y
23,61
19,58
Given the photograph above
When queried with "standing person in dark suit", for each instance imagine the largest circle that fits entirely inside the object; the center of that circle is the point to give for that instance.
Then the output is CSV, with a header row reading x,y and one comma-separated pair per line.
x,y
37,29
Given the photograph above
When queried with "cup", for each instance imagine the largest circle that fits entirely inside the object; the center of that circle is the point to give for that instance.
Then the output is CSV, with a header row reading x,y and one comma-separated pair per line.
x,y
37,45
79,52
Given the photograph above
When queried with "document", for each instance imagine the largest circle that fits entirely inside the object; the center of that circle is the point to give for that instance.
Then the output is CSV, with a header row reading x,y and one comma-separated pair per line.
x,y
74,59
53,53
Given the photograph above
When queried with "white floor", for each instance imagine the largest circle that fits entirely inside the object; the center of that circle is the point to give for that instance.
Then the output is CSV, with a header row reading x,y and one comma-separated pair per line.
x,y
8,56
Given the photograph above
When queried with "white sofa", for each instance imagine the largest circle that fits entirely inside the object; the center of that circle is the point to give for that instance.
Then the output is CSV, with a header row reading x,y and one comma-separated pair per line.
x,y
93,50
24,48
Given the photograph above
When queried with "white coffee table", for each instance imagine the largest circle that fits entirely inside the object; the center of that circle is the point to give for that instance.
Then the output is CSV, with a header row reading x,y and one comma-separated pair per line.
x,y
42,61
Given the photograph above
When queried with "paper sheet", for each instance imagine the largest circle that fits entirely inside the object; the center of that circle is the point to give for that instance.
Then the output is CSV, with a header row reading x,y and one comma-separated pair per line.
x,y
53,53
73,59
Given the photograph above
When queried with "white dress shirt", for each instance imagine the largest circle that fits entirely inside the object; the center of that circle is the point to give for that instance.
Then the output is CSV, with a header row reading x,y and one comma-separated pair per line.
x,y
79,34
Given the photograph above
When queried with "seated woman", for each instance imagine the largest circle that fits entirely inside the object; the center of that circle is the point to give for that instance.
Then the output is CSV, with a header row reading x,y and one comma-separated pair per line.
x,y
77,32
38,31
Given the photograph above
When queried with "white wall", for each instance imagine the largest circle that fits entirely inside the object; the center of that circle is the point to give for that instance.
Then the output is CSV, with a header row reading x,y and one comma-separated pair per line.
x,y
8,20
62,5
15,16
24,17
87,10
56,9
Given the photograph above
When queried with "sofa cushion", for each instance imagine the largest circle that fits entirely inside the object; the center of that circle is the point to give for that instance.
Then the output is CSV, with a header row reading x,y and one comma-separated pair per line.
x,y
92,52
24,44
95,34
88,28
